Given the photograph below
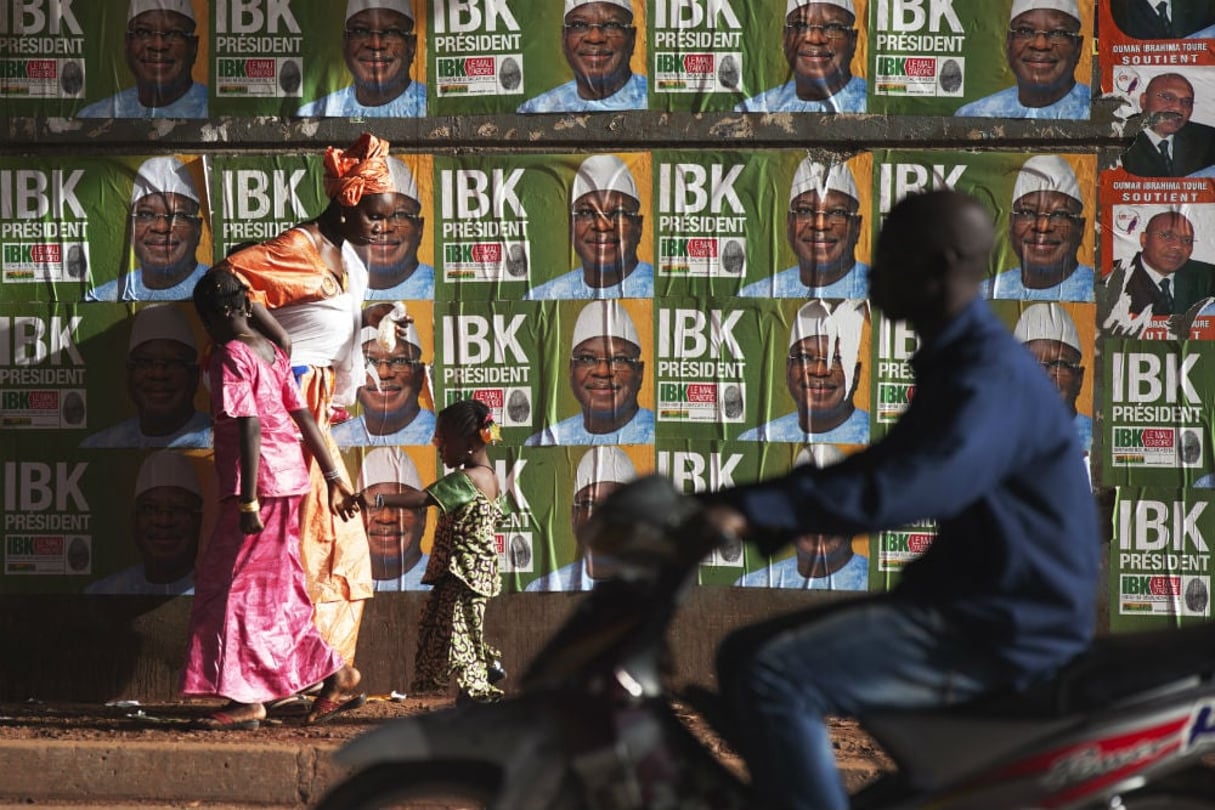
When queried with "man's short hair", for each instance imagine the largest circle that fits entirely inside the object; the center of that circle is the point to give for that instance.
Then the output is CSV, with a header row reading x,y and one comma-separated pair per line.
x,y
1047,173
1047,321
400,6
183,7
161,322
163,175
1068,7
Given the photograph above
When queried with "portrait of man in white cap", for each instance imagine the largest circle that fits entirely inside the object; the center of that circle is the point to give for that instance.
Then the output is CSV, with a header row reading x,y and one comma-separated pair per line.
x,y
822,225
166,227
1049,333
392,412
605,230
1171,143
379,44
822,371
166,522
601,471
1163,275
819,43
391,255
394,536
1043,46
824,562
1045,228
1163,19
606,374
598,38
161,46
162,379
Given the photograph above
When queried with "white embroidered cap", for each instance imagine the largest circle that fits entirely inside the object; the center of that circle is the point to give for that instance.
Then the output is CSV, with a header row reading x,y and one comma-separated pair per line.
x,y
1047,321
603,173
1047,173
400,6
603,463
403,181
163,175
814,176
166,468
605,318
161,321
389,465
183,7
570,5
794,5
818,455
1068,7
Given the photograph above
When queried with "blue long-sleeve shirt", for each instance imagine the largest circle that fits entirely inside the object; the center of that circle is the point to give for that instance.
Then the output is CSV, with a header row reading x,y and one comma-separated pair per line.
x,y
988,449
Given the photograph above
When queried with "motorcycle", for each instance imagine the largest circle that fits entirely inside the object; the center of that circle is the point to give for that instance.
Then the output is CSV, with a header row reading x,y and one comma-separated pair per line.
x,y
592,724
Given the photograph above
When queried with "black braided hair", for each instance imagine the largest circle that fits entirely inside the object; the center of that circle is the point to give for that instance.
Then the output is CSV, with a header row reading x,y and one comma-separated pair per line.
x,y
219,293
464,418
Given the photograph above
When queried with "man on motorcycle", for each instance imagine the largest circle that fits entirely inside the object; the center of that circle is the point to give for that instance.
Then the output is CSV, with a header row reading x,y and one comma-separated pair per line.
x,y
1007,592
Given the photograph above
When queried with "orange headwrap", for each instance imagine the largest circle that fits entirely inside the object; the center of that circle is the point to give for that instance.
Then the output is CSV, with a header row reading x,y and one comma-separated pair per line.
x,y
361,169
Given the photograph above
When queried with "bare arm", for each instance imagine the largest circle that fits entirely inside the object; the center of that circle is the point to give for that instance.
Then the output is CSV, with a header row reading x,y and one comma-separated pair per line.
x,y
249,429
269,326
342,501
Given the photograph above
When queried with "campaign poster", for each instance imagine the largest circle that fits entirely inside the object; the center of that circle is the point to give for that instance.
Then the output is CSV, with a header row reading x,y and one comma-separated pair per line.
x,y
66,226
395,402
1043,206
893,385
492,57
63,60
1158,232
258,197
271,55
1160,561
113,525
401,261
544,227
776,57
710,242
812,373
963,58
1173,112
1135,34
541,550
1157,426
892,550
399,540
371,64
500,354
709,366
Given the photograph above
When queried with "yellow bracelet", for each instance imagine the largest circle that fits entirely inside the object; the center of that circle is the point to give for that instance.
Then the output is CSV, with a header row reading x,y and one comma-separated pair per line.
x,y
252,506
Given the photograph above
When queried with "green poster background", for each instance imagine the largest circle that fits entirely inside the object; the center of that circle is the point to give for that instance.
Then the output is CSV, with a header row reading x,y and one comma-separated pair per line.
x,y
930,59
989,176
710,366
63,377
270,57
65,225
255,198
502,223
499,354
1160,558
55,59
491,57
1157,425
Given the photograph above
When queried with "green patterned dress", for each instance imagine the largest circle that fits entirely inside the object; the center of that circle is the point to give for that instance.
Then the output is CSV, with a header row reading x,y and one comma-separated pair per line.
x,y
463,569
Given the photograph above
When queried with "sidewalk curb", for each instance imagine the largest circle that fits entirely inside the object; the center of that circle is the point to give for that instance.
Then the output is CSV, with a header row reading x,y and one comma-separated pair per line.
x,y
38,771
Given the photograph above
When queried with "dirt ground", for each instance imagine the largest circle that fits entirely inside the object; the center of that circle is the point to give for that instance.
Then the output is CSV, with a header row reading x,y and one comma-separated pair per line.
x,y
170,724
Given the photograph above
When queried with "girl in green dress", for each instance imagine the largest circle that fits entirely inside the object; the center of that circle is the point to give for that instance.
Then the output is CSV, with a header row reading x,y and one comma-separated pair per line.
x,y
463,565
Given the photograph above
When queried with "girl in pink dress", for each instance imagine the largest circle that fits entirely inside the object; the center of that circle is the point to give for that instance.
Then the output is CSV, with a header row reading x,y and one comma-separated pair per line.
x,y
252,638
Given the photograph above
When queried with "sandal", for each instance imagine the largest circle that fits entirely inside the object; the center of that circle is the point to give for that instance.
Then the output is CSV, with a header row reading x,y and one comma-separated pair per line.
x,y
222,721
324,709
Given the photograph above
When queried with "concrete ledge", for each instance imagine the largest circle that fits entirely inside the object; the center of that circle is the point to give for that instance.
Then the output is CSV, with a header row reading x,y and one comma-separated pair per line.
x,y
38,772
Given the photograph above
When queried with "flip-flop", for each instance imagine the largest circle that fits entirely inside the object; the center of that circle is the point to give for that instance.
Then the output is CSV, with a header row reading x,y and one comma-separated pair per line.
x,y
324,709
222,721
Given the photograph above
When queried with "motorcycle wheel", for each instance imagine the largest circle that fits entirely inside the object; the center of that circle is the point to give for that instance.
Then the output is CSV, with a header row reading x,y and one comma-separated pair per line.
x,y
423,786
